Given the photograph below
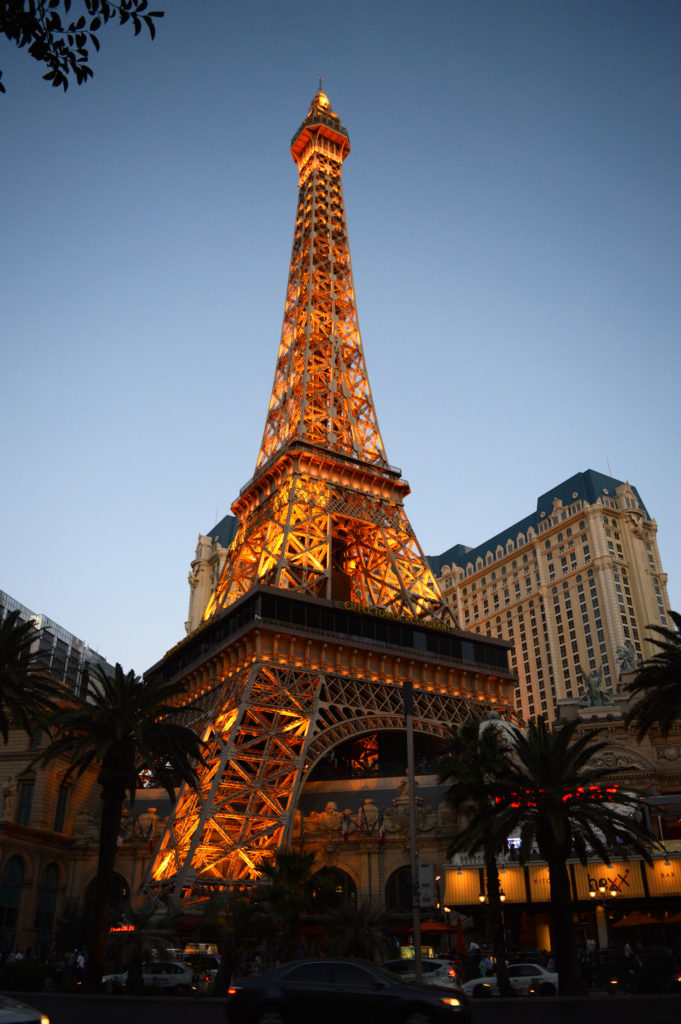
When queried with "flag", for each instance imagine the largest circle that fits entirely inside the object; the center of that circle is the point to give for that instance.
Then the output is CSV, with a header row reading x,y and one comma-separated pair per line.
x,y
362,817
346,827
381,828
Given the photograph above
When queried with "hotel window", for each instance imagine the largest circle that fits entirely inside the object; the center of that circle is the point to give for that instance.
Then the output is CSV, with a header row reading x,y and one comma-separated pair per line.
x,y
11,884
60,810
26,790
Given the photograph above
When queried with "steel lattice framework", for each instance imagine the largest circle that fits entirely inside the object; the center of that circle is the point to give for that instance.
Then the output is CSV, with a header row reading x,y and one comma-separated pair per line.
x,y
270,706
323,522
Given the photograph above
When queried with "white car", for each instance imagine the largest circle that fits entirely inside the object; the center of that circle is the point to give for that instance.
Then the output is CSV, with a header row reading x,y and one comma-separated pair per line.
x,y
526,979
169,975
433,971
14,1012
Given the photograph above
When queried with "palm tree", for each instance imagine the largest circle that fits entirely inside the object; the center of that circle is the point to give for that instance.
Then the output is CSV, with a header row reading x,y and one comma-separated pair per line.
x,y
27,695
153,929
124,725
289,894
657,686
358,931
474,760
233,922
552,796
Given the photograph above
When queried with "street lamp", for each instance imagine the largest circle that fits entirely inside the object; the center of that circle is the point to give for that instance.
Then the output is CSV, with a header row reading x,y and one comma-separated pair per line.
x,y
408,701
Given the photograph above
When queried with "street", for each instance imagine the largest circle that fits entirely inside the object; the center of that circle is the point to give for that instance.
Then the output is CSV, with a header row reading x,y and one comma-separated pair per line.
x,y
595,1009
79,1009
592,1009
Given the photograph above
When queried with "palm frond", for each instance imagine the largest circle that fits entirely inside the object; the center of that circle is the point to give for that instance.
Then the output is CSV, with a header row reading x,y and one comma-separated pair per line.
x,y
656,689
27,694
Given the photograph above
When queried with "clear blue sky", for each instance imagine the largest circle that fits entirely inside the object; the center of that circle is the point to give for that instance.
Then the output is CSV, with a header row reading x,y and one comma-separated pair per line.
x,y
513,200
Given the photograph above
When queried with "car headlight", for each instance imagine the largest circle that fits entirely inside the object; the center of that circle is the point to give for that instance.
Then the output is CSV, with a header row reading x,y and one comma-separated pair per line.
x,y
451,1001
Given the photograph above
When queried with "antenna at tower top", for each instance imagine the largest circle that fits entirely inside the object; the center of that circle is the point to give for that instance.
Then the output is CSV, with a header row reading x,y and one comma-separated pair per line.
x,y
320,84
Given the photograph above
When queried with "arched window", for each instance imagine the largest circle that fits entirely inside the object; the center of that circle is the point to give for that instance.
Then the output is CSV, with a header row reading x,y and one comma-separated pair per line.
x,y
46,906
336,887
398,894
10,895
119,898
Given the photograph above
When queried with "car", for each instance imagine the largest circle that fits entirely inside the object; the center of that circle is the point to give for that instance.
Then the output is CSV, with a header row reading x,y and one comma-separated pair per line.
x,y
433,971
14,1012
526,979
169,975
338,991
205,967
654,970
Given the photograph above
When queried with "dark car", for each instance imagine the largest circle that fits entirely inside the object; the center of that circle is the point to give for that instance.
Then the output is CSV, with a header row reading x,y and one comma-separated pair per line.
x,y
652,970
340,992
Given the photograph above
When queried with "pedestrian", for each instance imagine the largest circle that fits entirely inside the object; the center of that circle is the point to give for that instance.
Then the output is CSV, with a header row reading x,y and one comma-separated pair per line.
x,y
486,966
635,967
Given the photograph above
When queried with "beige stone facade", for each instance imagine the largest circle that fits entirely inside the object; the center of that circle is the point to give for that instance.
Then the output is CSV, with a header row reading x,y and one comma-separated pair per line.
x,y
206,567
573,587
49,835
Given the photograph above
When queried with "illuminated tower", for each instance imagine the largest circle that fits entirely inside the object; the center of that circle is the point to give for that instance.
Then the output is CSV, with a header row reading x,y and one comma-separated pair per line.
x,y
326,607
323,514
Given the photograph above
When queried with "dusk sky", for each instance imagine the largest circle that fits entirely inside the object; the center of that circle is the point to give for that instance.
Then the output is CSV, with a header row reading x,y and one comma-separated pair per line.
x,y
513,198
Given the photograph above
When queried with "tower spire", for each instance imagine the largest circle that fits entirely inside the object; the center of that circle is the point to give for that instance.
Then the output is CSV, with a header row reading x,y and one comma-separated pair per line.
x,y
323,514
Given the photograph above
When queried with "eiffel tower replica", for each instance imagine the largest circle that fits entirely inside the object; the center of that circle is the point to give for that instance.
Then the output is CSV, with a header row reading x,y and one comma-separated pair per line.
x,y
326,612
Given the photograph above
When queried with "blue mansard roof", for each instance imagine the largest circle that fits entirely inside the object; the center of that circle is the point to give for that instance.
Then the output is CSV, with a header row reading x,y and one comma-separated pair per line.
x,y
589,486
223,532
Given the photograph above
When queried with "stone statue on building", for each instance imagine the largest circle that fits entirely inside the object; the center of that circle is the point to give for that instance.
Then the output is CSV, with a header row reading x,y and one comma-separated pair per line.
x,y
149,823
8,791
626,658
592,696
